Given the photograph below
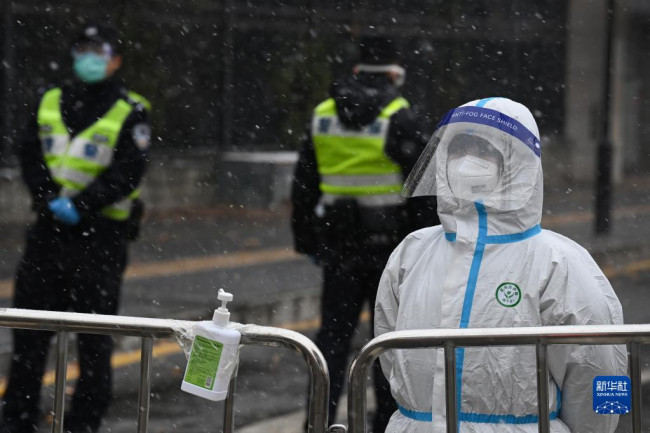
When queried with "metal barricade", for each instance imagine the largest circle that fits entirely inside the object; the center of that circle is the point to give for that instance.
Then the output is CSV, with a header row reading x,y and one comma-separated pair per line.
x,y
450,339
148,329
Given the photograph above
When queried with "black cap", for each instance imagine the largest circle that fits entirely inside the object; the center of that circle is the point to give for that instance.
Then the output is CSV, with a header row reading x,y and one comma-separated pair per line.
x,y
377,50
97,33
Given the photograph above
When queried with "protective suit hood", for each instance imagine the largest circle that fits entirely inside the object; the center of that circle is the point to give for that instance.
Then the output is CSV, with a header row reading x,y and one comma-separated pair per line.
x,y
490,126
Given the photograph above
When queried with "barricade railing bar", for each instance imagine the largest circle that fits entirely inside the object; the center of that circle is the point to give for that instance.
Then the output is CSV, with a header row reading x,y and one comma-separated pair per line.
x,y
148,329
450,339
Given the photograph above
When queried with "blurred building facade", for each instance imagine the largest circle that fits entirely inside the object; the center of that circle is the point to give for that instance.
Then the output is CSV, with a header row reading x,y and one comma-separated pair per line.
x,y
225,75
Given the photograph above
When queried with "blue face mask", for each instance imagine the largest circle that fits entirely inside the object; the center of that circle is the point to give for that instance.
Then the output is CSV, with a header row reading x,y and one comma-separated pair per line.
x,y
90,67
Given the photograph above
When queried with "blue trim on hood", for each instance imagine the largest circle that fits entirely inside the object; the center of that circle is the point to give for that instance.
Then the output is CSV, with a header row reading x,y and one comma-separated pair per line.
x,y
484,101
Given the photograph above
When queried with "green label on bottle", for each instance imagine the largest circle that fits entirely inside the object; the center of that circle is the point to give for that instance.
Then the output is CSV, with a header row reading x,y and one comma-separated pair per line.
x,y
203,363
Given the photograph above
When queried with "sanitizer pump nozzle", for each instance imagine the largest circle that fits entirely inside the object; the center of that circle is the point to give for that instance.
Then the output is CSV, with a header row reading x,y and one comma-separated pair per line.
x,y
221,315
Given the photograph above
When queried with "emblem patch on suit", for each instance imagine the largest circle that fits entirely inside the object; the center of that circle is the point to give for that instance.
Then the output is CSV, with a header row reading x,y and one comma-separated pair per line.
x,y
508,294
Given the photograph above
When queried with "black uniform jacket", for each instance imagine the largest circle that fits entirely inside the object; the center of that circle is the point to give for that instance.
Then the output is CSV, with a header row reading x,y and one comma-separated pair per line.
x,y
81,106
359,100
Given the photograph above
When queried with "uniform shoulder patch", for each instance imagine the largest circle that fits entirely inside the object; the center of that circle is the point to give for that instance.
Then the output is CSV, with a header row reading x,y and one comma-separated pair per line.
x,y
141,134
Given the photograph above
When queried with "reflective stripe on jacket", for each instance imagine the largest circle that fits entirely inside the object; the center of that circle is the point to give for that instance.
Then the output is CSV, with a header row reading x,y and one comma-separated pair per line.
x,y
75,162
352,162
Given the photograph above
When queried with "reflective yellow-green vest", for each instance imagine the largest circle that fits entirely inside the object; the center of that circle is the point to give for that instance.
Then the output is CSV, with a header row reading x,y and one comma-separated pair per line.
x,y
74,162
139,99
352,162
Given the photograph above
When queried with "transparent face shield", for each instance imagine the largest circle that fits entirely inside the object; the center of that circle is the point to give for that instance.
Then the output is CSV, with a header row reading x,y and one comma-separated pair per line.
x,y
478,154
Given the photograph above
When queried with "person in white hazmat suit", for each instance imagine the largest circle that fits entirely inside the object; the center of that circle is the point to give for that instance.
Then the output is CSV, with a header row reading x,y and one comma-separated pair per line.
x,y
489,264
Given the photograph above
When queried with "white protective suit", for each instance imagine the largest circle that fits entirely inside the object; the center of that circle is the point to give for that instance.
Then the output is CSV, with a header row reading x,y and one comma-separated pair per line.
x,y
491,265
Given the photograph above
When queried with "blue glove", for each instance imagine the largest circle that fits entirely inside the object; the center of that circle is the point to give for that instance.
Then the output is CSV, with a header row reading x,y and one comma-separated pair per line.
x,y
64,211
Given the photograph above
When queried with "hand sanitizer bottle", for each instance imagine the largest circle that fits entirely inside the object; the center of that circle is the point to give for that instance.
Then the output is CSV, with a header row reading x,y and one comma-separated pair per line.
x,y
214,355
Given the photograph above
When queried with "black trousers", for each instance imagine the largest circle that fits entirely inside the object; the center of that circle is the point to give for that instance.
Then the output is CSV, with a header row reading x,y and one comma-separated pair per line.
x,y
345,290
66,269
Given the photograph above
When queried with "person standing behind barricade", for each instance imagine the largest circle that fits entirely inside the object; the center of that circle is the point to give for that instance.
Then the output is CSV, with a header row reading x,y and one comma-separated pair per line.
x,y
491,265
347,212
82,159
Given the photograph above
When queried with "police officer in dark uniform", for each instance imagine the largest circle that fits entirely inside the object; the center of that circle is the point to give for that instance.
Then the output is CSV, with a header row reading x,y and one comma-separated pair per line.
x,y
348,214
82,158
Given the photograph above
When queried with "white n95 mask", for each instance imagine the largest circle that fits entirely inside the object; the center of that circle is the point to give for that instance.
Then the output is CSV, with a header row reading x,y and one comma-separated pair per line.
x,y
472,178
